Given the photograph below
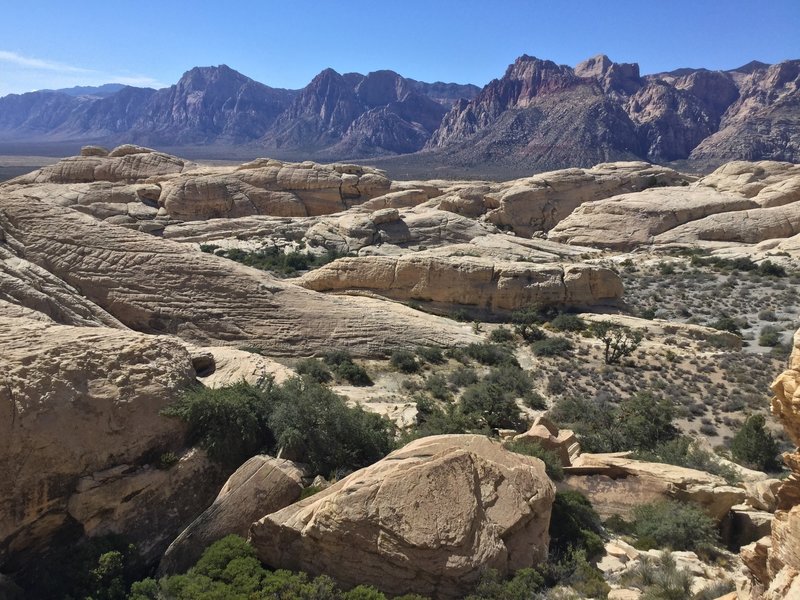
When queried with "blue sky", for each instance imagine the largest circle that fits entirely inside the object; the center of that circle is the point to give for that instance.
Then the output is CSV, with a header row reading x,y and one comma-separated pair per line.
x,y
49,44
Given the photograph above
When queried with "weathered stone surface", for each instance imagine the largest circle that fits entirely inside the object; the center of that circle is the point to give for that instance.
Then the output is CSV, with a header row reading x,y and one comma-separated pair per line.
x,y
469,281
630,220
538,203
94,151
223,365
387,525
160,286
128,168
133,501
615,484
76,401
262,485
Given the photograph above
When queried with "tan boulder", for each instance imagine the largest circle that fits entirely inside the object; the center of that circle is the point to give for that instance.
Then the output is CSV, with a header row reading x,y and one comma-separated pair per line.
x,y
128,168
388,526
615,485
220,366
262,485
94,151
77,401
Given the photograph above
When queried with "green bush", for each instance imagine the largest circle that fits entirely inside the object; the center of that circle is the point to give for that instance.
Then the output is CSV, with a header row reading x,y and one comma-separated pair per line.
x,y
436,384
316,369
274,259
491,354
552,346
770,269
673,525
660,579
462,377
302,417
430,354
230,423
494,404
568,322
618,341
551,460
501,335
769,337
640,422
683,453
404,361
341,362
524,585
574,525
754,447
729,324
433,419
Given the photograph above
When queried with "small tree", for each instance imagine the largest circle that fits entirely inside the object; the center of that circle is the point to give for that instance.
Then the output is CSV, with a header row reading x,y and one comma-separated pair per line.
x,y
754,446
619,341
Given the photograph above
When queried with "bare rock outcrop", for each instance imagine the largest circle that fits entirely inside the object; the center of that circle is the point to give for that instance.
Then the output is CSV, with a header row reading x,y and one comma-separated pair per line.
x,y
630,220
262,485
562,442
538,203
774,562
127,164
78,401
423,520
270,187
159,286
469,281
615,484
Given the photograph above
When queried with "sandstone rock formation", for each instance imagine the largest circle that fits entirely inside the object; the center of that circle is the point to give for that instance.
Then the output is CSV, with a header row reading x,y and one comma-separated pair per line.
x,y
470,281
387,525
159,286
774,562
615,484
78,401
262,485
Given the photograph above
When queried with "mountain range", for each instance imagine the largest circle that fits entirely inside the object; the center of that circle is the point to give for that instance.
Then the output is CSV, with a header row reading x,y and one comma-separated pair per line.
x,y
539,115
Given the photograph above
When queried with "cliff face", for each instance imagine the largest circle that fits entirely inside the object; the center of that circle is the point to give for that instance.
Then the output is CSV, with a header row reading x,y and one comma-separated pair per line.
x,y
774,562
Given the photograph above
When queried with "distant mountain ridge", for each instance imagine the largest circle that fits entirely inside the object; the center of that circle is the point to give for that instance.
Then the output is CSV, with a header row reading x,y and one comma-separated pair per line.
x,y
539,115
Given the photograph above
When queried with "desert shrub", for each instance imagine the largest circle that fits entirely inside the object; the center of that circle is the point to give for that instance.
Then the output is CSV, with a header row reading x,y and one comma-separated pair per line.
x,y
435,419
660,578
526,322
341,362
430,354
674,525
683,453
101,568
166,461
404,361
511,379
556,384
767,315
463,376
770,269
274,259
317,427
501,335
315,369
753,446
230,423
302,417
436,384
618,341
534,400
568,322
551,460
770,336
727,323
552,346
491,354
524,585
574,525
639,422
495,405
